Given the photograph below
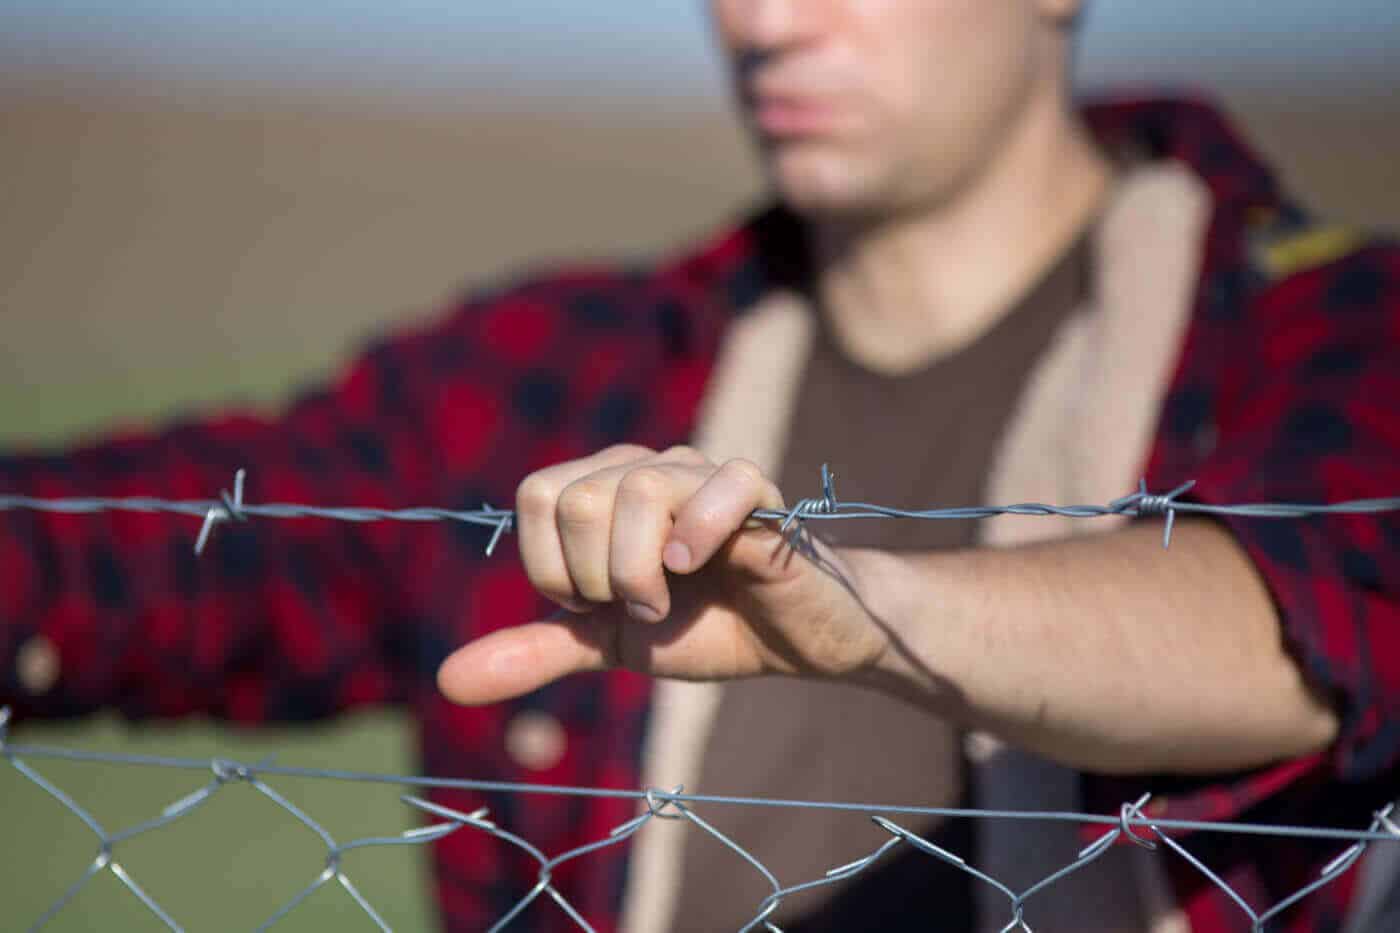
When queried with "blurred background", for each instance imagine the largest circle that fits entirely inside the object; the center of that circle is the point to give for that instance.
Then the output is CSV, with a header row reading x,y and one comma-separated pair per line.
x,y
218,201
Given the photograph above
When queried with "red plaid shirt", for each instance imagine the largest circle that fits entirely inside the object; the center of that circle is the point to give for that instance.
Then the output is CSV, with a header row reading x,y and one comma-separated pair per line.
x,y
1288,389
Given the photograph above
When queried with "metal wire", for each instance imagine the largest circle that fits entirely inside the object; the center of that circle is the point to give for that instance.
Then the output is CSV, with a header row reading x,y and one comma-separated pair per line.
x,y
1130,824
1139,503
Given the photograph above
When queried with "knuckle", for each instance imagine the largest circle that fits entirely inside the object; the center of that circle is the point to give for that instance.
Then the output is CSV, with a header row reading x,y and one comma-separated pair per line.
x,y
746,471
683,454
635,451
583,502
535,495
645,483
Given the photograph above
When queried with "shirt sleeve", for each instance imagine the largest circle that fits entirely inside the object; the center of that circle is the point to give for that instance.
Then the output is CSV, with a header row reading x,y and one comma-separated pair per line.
x,y
278,619
1309,412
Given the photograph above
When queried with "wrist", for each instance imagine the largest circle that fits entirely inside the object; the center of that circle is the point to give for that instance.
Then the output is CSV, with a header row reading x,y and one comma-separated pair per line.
x,y
908,596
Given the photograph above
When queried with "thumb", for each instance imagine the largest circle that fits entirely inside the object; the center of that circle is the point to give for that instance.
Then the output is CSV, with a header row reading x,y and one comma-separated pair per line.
x,y
516,660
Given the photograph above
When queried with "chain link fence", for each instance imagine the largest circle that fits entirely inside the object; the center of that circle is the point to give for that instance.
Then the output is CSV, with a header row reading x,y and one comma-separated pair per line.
x,y
1130,825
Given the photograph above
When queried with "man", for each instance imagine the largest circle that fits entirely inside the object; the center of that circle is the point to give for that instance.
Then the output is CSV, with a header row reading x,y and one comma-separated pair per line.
x,y
1109,292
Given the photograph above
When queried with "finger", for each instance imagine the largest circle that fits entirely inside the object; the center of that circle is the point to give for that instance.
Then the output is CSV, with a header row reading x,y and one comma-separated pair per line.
x,y
589,525
648,497
515,661
536,501
584,519
716,511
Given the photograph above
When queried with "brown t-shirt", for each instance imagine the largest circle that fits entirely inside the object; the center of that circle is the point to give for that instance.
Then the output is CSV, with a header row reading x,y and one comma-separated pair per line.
x,y
916,440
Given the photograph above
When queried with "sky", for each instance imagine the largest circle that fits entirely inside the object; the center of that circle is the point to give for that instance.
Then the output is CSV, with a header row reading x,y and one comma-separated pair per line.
x,y
648,47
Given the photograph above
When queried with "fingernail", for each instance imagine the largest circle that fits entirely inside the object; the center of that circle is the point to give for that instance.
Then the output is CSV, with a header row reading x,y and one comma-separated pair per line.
x,y
676,557
643,612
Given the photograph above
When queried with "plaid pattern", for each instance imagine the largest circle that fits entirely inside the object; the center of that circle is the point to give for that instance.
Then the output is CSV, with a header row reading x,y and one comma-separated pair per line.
x,y
1287,389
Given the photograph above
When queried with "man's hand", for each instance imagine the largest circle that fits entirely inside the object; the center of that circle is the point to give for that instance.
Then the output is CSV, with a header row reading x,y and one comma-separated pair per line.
x,y
662,571
1103,652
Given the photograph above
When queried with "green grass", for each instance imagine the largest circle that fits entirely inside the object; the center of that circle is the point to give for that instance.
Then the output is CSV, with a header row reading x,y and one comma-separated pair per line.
x,y
229,864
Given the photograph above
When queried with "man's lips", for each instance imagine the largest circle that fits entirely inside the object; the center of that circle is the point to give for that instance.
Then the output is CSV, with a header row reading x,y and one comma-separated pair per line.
x,y
792,116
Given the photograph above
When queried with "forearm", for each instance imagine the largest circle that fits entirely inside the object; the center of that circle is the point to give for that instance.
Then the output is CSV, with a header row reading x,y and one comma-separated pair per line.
x,y
113,610
1105,652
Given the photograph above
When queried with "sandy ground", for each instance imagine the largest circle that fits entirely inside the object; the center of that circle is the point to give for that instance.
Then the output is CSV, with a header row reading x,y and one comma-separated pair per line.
x,y
171,247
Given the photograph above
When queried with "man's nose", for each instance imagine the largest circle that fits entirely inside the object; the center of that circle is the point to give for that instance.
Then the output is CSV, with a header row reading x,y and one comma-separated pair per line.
x,y
771,25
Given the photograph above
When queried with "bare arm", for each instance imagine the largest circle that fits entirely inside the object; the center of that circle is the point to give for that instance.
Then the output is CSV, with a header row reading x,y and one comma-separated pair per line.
x,y
1104,652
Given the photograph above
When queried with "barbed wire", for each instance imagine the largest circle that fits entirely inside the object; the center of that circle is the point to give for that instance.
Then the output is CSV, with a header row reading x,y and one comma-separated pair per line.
x,y
1129,825
231,507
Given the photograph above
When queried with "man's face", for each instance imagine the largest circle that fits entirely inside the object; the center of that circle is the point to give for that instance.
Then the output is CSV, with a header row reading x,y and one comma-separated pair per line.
x,y
876,107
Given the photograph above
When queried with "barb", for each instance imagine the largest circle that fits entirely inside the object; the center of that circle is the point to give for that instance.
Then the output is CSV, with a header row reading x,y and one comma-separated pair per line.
x,y
1138,504
229,509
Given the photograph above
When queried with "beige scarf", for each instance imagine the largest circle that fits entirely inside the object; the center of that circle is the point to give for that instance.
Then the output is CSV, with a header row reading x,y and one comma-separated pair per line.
x,y
1080,433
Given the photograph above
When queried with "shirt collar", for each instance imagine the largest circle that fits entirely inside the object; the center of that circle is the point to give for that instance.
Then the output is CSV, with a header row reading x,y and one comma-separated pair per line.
x,y
769,250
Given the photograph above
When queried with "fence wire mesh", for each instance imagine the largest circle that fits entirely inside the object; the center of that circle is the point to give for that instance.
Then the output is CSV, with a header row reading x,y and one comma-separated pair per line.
x,y
1130,825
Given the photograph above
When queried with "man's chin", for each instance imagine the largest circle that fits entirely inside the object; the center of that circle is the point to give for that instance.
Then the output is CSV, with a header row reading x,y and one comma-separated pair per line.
x,y
819,185
818,203
805,194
